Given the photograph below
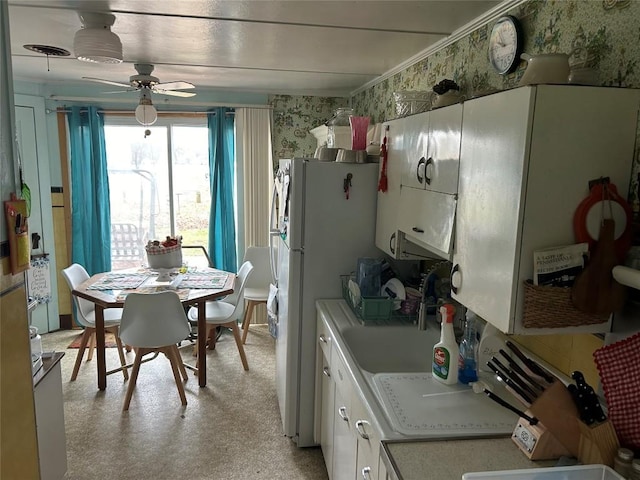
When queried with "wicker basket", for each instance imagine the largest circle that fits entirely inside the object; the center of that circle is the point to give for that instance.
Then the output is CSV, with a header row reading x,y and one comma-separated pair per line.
x,y
551,307
165,257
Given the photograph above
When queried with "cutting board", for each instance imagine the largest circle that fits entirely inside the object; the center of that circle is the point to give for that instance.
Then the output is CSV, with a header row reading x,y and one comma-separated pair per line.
x,y
416,404
595,290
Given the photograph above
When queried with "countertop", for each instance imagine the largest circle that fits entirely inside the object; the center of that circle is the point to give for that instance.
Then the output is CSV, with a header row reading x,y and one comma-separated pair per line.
x,y
409,458
49,360
449,460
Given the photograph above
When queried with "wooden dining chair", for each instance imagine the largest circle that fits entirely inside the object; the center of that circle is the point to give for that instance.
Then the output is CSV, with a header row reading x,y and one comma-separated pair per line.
x,y
227,311
151,323
86,317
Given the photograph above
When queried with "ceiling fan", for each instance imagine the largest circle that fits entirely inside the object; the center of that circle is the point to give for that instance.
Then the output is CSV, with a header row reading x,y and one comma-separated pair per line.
x,y
144,79
147,84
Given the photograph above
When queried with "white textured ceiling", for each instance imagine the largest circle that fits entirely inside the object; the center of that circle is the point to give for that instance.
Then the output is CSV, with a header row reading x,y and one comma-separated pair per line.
x,y
265,46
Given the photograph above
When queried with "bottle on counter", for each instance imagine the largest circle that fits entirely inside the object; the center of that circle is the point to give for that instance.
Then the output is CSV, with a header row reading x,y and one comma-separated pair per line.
x,y
445,352
634,473
622,462
468,357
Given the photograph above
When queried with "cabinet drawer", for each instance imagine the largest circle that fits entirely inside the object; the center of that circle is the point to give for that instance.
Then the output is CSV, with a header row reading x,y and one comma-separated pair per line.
x,y
368,440
427,218
340,375
324,337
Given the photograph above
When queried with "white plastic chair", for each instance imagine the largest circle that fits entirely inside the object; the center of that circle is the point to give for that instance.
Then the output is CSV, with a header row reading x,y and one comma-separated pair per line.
x,y
257,289
228,311
154,322
86,310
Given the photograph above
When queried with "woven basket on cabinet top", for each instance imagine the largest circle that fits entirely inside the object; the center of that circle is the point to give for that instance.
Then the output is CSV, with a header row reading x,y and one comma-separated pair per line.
x,y
551,307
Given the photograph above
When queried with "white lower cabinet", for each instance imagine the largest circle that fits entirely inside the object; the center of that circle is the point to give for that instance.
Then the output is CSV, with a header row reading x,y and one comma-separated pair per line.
x,y
344,440
346,430
368,440
325,395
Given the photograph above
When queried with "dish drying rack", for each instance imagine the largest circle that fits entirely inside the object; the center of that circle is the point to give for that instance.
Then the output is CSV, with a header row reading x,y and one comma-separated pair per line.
x,y
374,310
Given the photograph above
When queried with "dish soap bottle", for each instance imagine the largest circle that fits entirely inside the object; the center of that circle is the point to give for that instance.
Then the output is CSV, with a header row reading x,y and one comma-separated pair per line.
x,y
468,358
445,352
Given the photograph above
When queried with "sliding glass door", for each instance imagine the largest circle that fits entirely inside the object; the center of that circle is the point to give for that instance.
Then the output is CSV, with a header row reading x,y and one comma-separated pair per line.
x,y
159,186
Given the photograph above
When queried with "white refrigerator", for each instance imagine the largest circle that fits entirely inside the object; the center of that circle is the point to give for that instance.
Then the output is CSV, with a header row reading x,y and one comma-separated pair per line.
x,y
323,219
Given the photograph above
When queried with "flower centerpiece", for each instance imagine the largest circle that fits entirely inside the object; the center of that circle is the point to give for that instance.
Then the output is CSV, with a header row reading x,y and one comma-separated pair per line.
x,y
164,253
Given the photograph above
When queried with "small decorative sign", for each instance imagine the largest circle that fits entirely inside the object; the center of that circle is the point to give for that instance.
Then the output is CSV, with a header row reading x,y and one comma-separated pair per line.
x,y
39,280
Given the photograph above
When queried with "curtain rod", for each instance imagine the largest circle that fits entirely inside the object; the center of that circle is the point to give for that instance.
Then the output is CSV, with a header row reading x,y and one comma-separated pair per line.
x,y
131,113
166,101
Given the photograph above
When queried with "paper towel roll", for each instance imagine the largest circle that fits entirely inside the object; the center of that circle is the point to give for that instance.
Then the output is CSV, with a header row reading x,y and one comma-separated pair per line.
x,y
627,276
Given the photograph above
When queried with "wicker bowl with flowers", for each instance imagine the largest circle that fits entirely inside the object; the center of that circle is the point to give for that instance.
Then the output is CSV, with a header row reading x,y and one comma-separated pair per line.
x,y
164,254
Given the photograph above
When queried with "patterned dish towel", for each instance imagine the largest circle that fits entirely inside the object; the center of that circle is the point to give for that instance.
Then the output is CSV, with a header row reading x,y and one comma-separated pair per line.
x,y
619,368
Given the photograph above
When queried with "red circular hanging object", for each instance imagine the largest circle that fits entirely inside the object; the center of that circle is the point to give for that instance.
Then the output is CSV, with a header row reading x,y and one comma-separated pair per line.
x,y
603,192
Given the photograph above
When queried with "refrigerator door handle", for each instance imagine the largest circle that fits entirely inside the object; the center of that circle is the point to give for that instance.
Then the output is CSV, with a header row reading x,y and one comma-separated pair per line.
x,y
273,231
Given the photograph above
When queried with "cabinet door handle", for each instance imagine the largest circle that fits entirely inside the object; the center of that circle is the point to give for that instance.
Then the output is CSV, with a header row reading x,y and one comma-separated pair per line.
x,y
326,372
420,170
427,164
455,278
417,230
360,429
323,339
342,411
366,473
392,243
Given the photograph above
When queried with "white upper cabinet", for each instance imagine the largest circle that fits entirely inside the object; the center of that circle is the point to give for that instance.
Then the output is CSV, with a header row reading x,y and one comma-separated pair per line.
x,y
433,150
388,237
430,179
527,156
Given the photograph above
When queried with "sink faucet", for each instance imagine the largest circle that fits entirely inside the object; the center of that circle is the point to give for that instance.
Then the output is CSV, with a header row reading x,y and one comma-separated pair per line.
x,y
422,316
422,310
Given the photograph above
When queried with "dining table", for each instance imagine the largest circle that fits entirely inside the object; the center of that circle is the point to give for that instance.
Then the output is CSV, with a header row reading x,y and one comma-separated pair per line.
x,y
195,288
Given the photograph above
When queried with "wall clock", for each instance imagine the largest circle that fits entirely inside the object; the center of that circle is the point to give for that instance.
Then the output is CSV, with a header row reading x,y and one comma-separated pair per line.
x,y
505,44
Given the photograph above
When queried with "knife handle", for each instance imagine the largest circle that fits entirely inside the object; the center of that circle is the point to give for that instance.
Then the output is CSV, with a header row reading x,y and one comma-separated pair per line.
x,y
500,401
533,366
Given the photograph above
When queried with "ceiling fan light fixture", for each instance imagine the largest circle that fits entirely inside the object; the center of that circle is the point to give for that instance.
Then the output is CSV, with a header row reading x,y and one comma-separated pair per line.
x,y
146,114
95,42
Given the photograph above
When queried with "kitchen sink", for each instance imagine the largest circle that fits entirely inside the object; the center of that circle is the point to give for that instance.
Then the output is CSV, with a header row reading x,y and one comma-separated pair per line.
x,y
379,349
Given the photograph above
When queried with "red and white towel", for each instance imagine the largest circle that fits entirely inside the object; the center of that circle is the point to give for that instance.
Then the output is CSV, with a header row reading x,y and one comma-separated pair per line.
x,y
619,368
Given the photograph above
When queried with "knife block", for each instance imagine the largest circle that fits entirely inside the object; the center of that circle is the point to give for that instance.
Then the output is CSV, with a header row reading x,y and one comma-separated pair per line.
x,y
556,410
598,443
536,441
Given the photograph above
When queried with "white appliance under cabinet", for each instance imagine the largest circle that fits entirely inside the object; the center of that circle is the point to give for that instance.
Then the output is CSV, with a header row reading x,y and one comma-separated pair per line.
x,y
527,156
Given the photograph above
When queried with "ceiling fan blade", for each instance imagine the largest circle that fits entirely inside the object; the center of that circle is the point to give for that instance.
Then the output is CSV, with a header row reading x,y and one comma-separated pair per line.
x,y
173,93
108,82
175,85
122,91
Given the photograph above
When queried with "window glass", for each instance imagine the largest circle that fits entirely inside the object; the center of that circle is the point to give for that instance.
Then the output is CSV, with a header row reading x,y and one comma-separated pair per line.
x,y
159,186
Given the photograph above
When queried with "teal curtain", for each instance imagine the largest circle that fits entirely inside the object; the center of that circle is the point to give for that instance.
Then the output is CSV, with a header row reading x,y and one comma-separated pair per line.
x,y
222,227
91,213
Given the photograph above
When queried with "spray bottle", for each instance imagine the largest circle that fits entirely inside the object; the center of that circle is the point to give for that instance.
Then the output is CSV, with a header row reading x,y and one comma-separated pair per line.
x,y
445,352
468,359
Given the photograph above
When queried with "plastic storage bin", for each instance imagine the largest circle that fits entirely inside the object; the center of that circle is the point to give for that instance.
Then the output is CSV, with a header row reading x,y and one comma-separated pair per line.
x,y
577,472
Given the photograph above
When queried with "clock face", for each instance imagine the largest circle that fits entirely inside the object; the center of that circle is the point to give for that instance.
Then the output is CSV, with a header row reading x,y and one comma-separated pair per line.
x,y
505,45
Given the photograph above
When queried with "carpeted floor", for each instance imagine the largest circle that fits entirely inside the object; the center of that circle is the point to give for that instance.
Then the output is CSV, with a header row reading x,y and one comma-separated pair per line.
x,y
230,429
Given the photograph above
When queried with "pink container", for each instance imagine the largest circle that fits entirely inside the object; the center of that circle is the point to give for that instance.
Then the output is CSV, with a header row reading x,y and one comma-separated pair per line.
x,y
359,127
